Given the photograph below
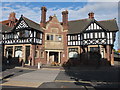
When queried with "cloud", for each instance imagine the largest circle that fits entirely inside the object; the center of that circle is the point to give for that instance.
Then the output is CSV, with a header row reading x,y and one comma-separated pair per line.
x,y
102,10
60,1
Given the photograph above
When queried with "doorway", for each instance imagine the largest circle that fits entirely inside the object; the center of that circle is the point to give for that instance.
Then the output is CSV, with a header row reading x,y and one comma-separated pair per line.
x,y
54,57
9,52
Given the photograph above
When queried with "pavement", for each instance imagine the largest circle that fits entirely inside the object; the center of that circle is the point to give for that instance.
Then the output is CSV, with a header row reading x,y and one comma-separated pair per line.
x,y
32,79
59,77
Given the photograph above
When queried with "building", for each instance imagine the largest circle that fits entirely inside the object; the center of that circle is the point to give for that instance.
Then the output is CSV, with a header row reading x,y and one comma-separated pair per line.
x,y
54,41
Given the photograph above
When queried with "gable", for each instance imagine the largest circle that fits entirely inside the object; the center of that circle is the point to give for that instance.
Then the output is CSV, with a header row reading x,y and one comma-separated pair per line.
x,y
54,25
21,24
93,26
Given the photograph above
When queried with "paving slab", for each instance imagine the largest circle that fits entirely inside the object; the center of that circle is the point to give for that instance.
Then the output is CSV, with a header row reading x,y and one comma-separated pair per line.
x,y
33,79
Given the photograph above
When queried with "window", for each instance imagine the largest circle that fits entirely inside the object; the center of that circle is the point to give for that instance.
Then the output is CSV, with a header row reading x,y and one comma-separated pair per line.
x,y
73,52
103,35
18,51
75,37
68,37
42,54
94,49
27,33
38,35
36,54
95,35
49,37
91,34
24,33
85,36
58,38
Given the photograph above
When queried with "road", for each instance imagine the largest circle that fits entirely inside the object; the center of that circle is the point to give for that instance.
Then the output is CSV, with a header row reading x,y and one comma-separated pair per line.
x,y
75,77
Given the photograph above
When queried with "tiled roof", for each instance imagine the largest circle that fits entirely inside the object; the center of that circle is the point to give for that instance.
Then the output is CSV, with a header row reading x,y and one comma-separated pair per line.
x,y
78,26
5,28
32,24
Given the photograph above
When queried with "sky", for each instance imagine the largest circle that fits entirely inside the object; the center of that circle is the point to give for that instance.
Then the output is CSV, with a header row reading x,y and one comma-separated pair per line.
x,y
77,10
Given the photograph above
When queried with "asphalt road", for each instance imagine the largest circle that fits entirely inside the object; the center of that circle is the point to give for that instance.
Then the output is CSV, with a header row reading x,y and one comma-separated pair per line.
x,y
107,77
82,77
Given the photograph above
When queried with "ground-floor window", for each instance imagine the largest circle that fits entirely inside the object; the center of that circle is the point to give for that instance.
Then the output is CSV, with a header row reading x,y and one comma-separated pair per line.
x,y
36,54
94,49
42,54
18,51
9,51
73,52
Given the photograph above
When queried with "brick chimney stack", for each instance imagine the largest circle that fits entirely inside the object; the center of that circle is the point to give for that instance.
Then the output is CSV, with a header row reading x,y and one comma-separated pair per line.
x,y
12,19
91,15
50,18
43,16
65,19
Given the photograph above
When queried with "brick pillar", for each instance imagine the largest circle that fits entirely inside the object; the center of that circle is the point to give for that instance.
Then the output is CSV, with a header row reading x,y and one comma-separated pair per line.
x,y
13,54
108,52
48,57
105,52
33,55
112,57
59,57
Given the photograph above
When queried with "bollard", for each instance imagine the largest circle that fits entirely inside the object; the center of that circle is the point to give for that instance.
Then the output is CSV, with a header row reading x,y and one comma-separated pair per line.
x,y
39,65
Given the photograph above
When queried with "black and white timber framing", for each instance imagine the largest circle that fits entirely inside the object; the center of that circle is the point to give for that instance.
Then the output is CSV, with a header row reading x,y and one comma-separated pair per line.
x,y
93,34
23,33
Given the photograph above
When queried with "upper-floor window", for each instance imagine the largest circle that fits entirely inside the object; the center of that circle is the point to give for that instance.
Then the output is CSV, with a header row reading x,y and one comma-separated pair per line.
x,y
58,38
38,35
49,37
24,33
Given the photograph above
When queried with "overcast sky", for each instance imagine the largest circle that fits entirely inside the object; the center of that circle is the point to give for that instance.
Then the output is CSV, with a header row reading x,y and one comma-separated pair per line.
x,y
77,10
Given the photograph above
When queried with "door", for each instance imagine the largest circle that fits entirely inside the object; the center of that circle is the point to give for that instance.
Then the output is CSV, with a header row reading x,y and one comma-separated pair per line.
x,y
54,57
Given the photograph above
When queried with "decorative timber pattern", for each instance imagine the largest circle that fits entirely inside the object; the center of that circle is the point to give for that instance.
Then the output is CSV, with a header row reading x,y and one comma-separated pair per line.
x,y
22,24
96,36
94,26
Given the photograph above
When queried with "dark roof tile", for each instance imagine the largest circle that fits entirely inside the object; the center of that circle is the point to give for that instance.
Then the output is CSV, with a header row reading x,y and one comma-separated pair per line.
x,y
32,24
5,28
78,26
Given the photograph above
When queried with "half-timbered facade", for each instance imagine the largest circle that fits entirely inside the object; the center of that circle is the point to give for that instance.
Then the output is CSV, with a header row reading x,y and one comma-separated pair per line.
x,y
20,40
54,41
91,35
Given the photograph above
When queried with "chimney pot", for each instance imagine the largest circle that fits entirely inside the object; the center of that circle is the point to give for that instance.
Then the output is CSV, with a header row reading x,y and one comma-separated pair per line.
x,y
50,18
91,15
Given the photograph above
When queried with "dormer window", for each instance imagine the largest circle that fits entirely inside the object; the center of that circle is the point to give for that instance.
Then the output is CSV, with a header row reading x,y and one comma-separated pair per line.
x,y
58,38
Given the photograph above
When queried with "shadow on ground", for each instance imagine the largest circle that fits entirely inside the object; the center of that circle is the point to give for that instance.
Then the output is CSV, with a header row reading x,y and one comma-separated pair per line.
x,y
94,70
10,63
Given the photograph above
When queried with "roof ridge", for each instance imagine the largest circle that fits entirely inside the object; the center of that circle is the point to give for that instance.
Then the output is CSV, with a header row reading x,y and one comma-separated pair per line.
x,y
78,20
107,20
5,25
